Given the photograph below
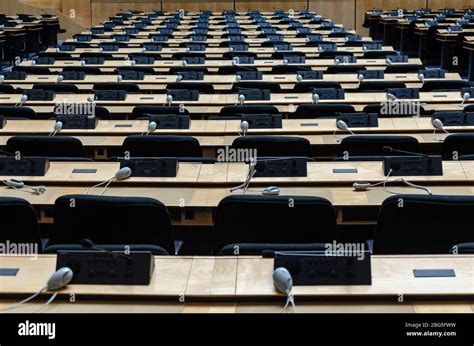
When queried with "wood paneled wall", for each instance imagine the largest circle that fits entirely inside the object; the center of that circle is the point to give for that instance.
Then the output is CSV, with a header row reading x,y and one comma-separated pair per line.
x,y
347,12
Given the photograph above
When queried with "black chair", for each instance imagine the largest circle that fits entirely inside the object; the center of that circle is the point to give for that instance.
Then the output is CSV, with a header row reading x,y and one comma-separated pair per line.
x,y
142,111
304,87
60,146
63,88
85,69
35,70
456,145
231,69
248,225
275,146
14,112
238,110
102,113
127,87
372,146
7,89
380,86
19,225
403,68
282,55
444,85
344,69
113,221
385,111
289,69
162,146
176,69
424,225
273,87
328,54
204,88
312,111
378,54
145,70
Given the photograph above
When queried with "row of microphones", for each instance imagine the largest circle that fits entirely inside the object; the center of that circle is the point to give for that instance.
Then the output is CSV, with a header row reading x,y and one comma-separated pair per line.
x,y
122,174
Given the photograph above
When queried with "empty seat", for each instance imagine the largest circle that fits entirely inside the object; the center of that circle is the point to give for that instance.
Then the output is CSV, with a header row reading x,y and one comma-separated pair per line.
x,y
7,89
312,111
274,146
456,145
35,70
46,146
372,146
424,225
248,225
239,110
112,221
15,112
162,146
19,225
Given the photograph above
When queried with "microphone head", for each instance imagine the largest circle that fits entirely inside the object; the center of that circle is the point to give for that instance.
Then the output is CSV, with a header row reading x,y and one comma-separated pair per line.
x,y
238,78
337,61
299,78
91,98
60,279
58,126
58,50
119,78
123,173
101,50
282,280
169,98
133,62
391,97
285,61
152,126
179,78
388,61
60,78
83,63
33,62
387,149
184,62
144,50
466,96
2,78
360,77
315,98
235,61
24,98
437,123
241,98
342,125
244,125
421,77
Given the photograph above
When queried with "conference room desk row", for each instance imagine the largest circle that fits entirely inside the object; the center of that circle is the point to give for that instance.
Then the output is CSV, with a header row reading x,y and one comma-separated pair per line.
x,y
215,52
244,284
223,82
196,206
436,97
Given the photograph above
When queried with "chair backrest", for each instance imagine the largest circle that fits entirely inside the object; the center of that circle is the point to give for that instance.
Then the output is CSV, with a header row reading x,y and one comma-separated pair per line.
x,y
373,145
162,146
275,145
311,111
289,69
246,219
231,69
304,87
238,110
60,146
176,69
444,85
17,112
19,223
32,70
7,89
145,70
273,87
422,224
127,87
85,69
328,54
403,68
378,54
382,86
141,111
204,88
112,220
457,144
343,69
64,88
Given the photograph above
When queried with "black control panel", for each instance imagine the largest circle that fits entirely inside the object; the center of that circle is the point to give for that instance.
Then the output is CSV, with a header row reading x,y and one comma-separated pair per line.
x,y
455,118
183,94
255,94
295,59
405,93
3,121
398,58
359,119
39,95
311,74
263,121
100,268
150,167
191,75
131,75
319,268
194,60
73,75
110,95
345,59
171,121
281,167
372,74
329,93
250,75
26,166
413,165
77,121
437,73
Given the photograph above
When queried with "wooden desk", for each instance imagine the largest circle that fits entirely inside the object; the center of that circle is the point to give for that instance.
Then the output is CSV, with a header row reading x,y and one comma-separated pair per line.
x,y
233,279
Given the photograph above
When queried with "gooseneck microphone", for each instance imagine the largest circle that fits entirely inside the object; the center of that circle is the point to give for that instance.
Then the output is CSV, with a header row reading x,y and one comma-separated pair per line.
x,y
465,97
122,174
388,149
438,125
244,127
283,283
151,127
342,125
250,174
57,127
89,245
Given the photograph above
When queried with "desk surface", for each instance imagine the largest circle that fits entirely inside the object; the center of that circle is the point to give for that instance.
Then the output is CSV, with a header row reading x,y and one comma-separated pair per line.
x,y
236,278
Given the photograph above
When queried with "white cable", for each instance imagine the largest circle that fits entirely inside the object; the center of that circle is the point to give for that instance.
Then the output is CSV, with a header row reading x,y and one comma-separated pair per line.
x,y
97,185
290,300
17,305
106,186
45,305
